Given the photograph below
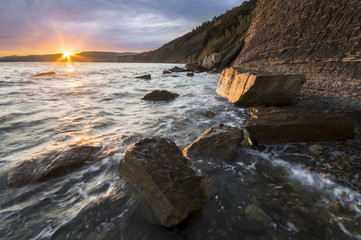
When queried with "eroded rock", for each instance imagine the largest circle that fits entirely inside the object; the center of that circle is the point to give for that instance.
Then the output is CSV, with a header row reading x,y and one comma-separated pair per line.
x,y
160,95
218,143
245,88
42,166
277,125
157,168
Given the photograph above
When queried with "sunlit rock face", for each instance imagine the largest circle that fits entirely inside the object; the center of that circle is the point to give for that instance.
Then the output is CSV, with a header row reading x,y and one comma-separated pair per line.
x,y
310,36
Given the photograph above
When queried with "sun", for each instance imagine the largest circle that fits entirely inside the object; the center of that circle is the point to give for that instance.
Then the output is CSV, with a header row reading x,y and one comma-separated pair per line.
x,y
67,54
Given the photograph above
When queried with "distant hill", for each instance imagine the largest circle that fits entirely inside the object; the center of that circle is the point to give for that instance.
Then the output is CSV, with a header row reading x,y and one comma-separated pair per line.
x,y
93,56
218,35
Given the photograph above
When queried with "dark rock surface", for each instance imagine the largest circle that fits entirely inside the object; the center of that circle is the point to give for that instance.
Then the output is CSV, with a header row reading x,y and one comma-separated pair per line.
x,y
43,166
245,88
160,95
147,76
44,74
208,114
309,36
166,72
212,61
276,125
177,69
227,60
157,168
194,66
218,143
190,74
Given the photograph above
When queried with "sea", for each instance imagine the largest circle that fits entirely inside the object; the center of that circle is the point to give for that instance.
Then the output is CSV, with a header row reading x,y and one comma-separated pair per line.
x,y
101,103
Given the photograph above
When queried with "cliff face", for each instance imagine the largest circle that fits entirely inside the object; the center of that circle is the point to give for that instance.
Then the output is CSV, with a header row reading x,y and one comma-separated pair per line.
x,y
310,36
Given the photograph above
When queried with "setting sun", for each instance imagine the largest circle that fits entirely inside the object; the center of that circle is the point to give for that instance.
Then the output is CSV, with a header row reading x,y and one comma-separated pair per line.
x,y
67,55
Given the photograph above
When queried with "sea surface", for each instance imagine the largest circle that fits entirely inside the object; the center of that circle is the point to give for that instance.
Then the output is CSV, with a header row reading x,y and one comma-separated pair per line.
x,y
101,103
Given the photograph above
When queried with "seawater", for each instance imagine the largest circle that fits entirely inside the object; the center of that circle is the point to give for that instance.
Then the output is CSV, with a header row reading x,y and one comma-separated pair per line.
x,y
101,102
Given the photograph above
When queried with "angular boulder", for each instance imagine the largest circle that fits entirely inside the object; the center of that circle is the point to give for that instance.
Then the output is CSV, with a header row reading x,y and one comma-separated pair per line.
x,y
212,61
276,126
245,88
160,95
218,143
42,166
147,76
194,66
157,168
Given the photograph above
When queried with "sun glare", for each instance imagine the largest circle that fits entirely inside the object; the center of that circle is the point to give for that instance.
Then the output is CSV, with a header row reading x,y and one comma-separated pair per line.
x,y
67,55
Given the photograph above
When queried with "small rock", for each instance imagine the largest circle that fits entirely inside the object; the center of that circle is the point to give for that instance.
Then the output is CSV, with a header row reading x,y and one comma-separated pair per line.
x,y
316,149
166,72
209,114
190,74
253,212
160,95
148,76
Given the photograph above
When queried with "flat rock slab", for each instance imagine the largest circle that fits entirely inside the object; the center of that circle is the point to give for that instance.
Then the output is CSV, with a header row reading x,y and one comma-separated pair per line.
x,y
42,166
259,88
277,125
218,143
160,95
157,168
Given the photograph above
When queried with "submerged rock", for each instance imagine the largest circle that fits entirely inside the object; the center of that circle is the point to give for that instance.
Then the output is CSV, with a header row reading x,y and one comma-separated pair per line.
x,y
42,166
259,88
160,95
277,125
157,168
208,114
147,76
190,74
218,143
254,213
44,74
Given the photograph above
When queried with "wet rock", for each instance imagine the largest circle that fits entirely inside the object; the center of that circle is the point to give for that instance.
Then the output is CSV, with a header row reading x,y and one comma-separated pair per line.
x,y
259,88
160,95
53,163
147,76
212,61
277,125
316,149
232,54
195,66
217,143
252,212
166,72
157,168
44,74
190,74
209,114
177,69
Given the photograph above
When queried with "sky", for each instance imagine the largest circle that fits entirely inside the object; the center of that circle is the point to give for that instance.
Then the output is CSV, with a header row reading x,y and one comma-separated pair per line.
x,y
53,26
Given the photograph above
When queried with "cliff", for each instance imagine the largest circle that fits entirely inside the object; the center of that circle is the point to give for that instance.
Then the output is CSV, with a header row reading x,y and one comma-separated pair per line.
x,y
218,35
308,36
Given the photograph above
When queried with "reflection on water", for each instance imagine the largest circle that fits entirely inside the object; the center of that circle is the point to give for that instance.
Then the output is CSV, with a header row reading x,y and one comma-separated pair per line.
x,y
100,103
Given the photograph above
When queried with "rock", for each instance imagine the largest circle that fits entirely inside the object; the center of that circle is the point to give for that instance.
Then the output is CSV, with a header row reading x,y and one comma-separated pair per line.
x,y
279,125
190,74
209,114
217,143
177,69
160,95
232,54
195,66
252,212
42,166
148,76
166,72
44,74
212,61
259,88
157,168
316,149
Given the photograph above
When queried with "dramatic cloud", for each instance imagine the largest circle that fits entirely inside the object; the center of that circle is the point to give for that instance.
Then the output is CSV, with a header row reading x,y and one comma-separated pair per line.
x,y
117,25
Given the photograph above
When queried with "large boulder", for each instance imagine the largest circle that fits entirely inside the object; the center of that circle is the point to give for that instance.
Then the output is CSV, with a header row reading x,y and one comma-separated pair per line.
x,y
276,125
218,143
160,95
245,88
42,166
227,60
212,61
194,66
157,168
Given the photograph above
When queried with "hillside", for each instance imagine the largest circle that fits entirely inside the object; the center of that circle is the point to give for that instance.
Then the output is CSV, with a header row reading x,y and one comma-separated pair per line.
x,y
310,36
93,56
218,35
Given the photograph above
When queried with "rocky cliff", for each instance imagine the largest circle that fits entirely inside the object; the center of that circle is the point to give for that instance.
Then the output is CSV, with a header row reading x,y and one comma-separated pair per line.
x,y
309,36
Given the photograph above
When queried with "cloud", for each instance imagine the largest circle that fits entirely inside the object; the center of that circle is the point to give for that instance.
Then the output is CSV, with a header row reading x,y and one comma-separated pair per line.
x,y
101,24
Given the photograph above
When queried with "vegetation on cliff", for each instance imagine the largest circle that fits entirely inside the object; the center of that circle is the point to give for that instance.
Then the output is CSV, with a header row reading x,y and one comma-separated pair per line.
x,y
218,35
